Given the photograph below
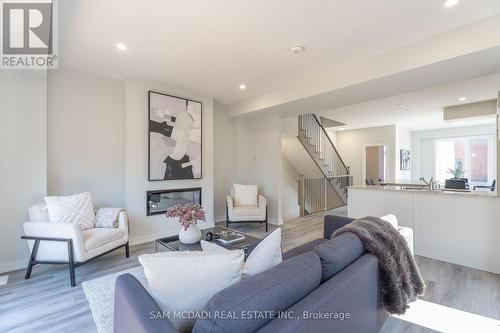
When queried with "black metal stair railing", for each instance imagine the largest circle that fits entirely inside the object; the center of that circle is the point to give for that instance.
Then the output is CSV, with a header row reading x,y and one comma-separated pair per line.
x,y
318,144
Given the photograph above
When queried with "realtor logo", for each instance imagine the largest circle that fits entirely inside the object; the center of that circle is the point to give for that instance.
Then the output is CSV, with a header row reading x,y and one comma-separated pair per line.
x,y
29,39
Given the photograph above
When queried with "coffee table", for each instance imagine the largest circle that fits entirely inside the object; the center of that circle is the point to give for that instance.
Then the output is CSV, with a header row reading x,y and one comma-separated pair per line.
x,y
174,244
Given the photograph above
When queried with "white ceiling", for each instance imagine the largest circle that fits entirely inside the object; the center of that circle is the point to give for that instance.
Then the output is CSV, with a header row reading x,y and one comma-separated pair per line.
x,y
213,46
420,109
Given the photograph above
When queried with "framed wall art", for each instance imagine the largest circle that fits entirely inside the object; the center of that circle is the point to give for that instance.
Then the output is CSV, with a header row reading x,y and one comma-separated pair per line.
x,y
404,159
174,137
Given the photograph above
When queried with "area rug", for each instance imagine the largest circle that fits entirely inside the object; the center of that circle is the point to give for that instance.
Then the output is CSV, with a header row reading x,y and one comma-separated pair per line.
x,y
100,293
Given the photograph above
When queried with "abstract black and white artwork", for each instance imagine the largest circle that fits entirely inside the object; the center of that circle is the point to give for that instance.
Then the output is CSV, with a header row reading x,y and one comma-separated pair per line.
x,y
174,137
404,159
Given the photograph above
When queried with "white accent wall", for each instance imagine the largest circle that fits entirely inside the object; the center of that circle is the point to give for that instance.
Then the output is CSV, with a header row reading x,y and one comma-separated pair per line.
x,y
23,158
146,228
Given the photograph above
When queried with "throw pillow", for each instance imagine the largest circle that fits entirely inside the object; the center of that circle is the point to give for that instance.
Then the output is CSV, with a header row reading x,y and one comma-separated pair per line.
x,y
391,218
245,195
76,209
264,256
185,280
38,213
106,217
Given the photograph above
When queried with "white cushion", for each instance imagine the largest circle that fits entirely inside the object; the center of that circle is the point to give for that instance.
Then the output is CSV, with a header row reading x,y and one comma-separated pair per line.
x,y
39,213
93,238
264,256
406,232
391,218
246,211
77,209
245,195
186,280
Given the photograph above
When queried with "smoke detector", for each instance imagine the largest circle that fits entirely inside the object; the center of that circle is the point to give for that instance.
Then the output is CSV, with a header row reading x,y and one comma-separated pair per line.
x,y
296,49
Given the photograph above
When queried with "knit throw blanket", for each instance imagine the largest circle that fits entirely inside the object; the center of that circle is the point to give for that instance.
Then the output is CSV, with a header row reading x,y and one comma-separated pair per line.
x,y
400,280
107,217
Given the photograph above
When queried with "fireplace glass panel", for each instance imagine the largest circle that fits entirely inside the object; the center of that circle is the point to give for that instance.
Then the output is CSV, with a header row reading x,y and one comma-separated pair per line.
x,y
159,201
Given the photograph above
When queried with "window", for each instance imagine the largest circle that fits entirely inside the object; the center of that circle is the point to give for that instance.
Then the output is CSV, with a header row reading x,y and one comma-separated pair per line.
x,y
475,155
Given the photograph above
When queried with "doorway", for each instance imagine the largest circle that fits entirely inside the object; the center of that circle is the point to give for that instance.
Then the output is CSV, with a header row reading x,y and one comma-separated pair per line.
x,y
375,162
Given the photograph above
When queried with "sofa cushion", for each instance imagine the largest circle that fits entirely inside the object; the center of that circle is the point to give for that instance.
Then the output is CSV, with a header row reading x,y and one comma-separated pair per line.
x,y
93,238
303,248
273,290
245,195
242,211
338,252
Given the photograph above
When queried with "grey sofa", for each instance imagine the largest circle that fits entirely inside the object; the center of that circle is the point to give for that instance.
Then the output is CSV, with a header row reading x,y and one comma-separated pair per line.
x,y
327,285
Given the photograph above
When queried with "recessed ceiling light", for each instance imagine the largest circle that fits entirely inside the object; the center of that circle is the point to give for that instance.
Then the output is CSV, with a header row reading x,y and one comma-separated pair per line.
x,y
462,99
296,49
450,3
121,46
341,129
243,86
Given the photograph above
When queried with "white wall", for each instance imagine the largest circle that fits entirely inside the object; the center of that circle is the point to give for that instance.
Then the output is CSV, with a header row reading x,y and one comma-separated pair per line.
x,y
295,153
144,228
351,144
403,141
423,146
224,159
258,158
23,162
86,136
289,190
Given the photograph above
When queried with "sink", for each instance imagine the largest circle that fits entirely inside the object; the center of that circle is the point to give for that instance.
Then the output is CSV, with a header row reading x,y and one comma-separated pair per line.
x,y
453,190
415,188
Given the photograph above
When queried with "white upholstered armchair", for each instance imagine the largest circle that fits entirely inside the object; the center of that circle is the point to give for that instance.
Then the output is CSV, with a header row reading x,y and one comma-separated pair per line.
x,y
246,205
66,243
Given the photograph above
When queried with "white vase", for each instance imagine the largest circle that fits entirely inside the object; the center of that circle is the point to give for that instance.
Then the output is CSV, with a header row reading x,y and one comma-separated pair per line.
x,y
191,235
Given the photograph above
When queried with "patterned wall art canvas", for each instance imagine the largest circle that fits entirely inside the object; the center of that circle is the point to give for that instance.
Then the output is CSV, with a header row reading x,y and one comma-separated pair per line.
x,y
174,137
404,159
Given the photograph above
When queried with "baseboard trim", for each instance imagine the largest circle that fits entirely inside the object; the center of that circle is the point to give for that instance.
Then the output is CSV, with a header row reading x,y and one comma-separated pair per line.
x,y
220,219
150,238
7,267
271,221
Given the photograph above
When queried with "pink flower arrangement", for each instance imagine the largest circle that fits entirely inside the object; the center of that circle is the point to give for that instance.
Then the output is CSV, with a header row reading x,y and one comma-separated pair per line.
x,y
188,214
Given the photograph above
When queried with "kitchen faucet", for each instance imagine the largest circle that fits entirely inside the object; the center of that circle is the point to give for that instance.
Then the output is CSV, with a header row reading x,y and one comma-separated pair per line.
x,y
431,184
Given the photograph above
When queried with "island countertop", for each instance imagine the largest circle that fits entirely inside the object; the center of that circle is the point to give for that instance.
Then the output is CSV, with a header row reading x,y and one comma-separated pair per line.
x,y
413,188
458,227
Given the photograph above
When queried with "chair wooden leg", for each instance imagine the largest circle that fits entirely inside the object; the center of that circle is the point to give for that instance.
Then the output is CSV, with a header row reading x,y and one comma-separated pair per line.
x,y
127,250
32,259
71,263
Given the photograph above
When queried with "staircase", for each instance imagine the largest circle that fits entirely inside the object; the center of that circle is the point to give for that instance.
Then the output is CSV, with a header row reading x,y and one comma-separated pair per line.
x,y
336,176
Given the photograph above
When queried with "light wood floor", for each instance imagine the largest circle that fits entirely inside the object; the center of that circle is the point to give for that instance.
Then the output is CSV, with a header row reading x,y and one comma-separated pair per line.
x,y
46,302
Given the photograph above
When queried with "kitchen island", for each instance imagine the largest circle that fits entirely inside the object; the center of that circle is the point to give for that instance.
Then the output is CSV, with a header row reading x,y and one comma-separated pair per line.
x,y
453,226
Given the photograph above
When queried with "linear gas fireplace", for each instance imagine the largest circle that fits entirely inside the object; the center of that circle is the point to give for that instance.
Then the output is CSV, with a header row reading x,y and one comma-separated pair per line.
x,y
157,202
